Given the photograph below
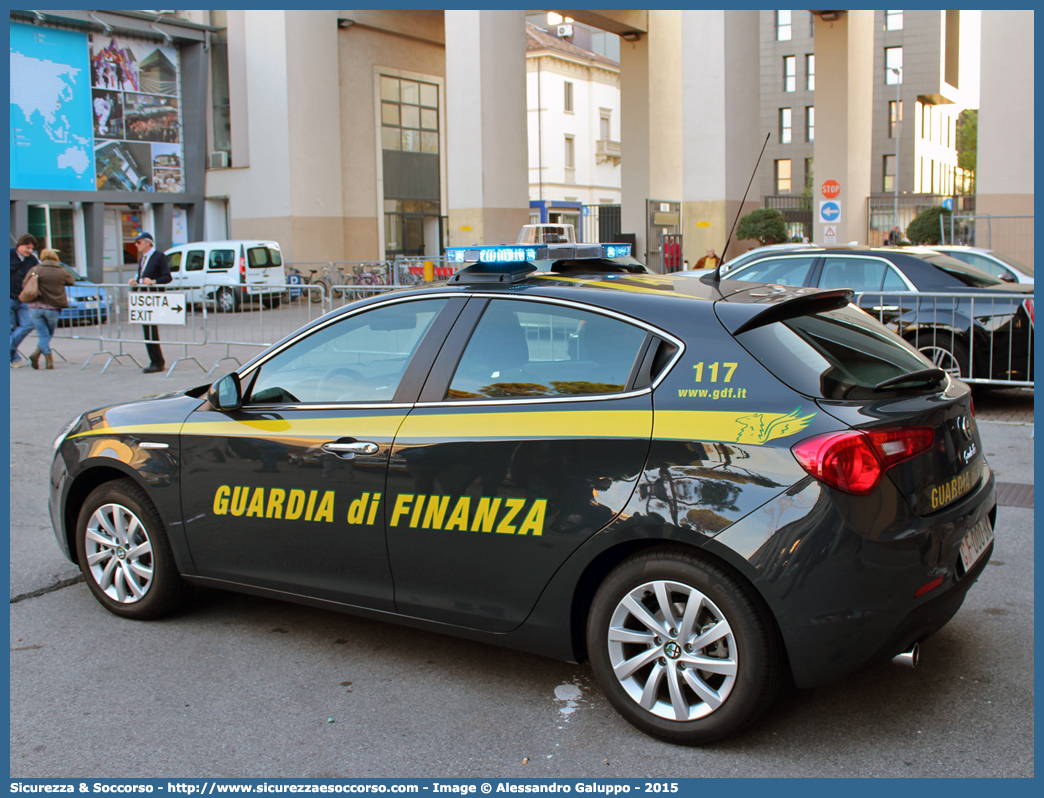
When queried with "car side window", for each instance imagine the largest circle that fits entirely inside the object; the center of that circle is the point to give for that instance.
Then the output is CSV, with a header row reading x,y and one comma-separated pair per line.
x,y
222,259
194,261
522,349
893,282
859,274
987,265
361,358
174,259
781,271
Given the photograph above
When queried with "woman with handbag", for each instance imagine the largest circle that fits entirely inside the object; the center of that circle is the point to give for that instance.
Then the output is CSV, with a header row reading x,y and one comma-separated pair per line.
x,y
43,290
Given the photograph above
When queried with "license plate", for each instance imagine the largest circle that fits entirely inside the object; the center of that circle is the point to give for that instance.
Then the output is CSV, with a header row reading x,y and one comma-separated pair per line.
x,y
976,542
87,305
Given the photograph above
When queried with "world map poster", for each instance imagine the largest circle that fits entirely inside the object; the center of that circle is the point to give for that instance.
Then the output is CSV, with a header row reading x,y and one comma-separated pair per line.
x,y
92,112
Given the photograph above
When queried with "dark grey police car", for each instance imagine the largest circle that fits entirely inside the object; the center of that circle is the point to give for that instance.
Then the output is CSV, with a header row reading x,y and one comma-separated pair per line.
x,y
704,487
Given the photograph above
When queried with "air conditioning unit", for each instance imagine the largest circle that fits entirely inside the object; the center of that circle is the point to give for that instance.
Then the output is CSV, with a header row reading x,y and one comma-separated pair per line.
x,y
565,31
219,160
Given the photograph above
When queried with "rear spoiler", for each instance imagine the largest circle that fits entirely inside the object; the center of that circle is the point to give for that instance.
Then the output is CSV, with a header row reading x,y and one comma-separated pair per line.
x,y
740,317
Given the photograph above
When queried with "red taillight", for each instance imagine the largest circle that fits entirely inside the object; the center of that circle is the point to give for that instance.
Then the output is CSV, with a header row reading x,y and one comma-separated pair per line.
x,y
1028,304
854,461
242,269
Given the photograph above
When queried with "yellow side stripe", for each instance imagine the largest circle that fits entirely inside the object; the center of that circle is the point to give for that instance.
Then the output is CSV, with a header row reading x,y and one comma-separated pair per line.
x,y
703,425
531,424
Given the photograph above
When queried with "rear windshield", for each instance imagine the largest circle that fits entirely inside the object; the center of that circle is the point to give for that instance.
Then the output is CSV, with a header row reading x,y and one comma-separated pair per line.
x,y
1016,265
969,275
262,257
838,354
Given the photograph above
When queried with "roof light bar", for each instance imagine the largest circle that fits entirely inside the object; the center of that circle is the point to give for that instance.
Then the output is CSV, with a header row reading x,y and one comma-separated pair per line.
x,y
524,254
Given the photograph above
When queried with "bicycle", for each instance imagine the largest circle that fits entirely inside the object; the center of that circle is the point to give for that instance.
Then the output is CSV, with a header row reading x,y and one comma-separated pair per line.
x,y
296,276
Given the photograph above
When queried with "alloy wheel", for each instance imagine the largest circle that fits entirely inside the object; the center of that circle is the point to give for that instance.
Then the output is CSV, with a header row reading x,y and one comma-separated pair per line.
x,y
119,553
672,650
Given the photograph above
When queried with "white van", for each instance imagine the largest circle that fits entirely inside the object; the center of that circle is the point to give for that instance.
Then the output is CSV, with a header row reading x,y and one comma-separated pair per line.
x,y
228,273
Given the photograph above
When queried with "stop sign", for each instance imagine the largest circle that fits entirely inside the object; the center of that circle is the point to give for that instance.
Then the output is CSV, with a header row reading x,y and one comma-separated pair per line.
x,y
831,188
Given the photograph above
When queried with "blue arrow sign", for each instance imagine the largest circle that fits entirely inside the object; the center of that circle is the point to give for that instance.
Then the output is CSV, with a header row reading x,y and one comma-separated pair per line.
x,y
829,211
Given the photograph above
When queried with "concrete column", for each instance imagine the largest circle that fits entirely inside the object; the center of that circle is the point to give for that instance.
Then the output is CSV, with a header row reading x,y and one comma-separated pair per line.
x,y
1005,172
721,136
651,71
19,219
486,160
94,240
163,224
844,121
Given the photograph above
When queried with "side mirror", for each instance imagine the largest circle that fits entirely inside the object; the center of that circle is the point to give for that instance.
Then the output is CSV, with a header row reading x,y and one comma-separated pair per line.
x,y
226,393
1008,278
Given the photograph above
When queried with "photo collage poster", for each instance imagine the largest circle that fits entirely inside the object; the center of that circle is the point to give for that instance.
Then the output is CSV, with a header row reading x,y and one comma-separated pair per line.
x,y
94,112
135,101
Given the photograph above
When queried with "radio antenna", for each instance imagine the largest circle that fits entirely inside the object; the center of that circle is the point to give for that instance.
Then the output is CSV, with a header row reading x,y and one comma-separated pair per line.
x,y
721,260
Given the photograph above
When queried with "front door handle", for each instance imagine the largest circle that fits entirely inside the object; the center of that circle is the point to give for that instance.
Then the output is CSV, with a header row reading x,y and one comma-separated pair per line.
x,y
885,307
347,451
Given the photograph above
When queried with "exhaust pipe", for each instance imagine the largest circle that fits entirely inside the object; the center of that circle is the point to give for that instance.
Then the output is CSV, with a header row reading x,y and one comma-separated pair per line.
x,y
908,658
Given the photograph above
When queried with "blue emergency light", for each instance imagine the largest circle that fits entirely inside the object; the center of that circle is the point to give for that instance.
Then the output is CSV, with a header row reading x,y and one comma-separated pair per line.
x,y
512,253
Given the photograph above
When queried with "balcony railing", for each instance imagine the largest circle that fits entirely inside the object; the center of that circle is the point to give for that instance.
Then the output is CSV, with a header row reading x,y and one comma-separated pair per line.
x,y
606,150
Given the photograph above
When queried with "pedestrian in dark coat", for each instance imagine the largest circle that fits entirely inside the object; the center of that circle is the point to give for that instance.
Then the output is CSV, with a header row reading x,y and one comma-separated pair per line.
x,y
153,271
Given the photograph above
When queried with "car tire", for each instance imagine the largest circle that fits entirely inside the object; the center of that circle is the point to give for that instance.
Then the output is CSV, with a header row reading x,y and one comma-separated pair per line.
x,y
652,677
124,554
946,352
227,300
272,301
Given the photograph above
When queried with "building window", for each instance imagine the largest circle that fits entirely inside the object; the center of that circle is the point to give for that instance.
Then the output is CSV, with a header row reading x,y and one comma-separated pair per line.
x,y
568,96
783,176
810,123
409,115
889,173
783,30
893,61
785,125
219,93
604,126
570,152
810,72
808,175
926,122
893,20
895,122
811,25
790,73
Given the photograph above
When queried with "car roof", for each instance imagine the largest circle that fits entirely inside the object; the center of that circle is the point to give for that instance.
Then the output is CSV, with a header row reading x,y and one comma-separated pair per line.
x,y
249,242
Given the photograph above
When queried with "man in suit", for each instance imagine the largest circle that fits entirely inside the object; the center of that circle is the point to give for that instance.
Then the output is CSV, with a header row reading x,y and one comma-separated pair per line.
x,y
153,270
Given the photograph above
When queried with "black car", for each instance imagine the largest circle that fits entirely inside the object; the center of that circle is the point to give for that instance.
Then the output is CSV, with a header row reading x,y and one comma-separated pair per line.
x,y
704,487
969,323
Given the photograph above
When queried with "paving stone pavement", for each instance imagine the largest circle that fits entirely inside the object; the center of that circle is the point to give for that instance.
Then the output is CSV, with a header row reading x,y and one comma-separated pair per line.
x,y
1012,405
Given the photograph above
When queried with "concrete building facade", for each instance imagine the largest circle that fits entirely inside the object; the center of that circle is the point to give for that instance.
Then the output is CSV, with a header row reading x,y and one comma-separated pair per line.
x,y
573,101
916,62
365,134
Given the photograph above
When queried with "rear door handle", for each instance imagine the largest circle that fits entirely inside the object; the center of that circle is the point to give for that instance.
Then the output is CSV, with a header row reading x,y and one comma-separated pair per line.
x,y
885,307
348,451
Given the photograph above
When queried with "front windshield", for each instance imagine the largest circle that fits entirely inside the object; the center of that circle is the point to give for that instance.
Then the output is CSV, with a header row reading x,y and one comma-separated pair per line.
x,y
77,277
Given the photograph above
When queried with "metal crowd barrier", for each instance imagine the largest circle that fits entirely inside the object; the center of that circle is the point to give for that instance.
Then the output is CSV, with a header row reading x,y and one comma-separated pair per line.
x,y
342,295
260,321
107,320
937,323
418,270
303,273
